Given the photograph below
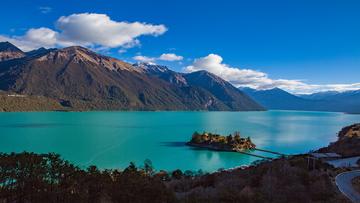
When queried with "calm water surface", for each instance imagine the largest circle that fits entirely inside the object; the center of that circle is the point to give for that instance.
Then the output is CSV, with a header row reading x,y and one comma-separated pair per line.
x,y
113,139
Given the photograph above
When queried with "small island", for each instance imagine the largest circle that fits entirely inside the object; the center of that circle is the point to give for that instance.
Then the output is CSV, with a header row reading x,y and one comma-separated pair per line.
x,y
233,142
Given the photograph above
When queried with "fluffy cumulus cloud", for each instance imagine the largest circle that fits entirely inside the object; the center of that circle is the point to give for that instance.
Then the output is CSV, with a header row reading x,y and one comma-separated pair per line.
x,y
33,38
86,29
170,57
257,79
162,57
144,59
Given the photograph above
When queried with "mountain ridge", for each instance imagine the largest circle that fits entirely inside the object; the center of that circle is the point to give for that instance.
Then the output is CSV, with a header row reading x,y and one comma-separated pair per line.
x,y
9,51
85,80
278,99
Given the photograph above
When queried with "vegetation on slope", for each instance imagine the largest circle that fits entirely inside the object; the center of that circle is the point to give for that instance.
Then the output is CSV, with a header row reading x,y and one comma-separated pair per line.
x,y
28,177
282,180
29,103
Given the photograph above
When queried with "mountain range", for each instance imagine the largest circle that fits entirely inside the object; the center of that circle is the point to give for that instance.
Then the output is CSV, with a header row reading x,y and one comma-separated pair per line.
x,y
279,99
76,78
80,79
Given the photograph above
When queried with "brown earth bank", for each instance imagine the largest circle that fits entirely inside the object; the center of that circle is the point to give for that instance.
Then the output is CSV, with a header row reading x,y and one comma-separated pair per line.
x,y
348,143
29,177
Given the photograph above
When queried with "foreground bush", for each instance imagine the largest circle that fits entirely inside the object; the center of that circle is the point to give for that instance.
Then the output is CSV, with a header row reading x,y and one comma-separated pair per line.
x,y
29,177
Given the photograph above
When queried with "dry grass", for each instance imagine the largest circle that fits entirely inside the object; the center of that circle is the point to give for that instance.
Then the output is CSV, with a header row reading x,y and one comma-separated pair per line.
x,y
28,103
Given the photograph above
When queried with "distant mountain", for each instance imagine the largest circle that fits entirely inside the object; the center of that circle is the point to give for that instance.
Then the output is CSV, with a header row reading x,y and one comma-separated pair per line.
x,y
226,95
8,51
38,52
333,95
281,100
81,80
223,90
348,101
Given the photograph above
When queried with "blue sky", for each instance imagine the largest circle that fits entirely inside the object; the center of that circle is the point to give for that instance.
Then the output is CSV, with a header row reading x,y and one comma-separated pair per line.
x,y
310,45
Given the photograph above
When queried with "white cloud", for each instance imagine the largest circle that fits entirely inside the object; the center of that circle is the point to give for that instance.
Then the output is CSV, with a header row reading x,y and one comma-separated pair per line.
x,y
170,57
91,28
86,29
45,9
144,59
162,57
33,38
257,79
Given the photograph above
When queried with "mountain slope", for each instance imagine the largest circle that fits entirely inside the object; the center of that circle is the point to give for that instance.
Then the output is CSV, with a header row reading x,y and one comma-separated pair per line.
x,y
38,52
223,90
163,73
225,94
9,51
84,80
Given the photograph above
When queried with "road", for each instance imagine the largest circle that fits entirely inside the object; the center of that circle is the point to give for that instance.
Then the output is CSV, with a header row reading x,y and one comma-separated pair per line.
x,y
343,181
346,162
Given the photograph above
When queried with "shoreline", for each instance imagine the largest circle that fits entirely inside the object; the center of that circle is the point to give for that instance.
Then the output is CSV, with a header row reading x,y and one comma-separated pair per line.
x,y
175,111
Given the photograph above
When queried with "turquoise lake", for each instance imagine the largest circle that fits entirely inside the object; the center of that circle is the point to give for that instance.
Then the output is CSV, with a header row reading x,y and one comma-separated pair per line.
x,y
113,139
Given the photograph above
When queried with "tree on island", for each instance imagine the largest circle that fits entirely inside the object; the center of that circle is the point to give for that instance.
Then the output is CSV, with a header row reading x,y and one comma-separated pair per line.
x,y
229,139
219,142
237,137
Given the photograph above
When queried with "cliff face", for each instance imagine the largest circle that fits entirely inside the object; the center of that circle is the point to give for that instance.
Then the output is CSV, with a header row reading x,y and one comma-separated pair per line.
x,y
87,80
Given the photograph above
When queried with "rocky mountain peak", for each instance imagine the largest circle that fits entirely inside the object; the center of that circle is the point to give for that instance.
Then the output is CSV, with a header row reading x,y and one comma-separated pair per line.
x,y
162,72
7,46
151,67
81,55
9,51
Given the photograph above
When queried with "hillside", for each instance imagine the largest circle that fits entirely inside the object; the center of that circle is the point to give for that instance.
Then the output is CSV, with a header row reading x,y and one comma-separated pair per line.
x,y
13,102
348,143
86,80
229,96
